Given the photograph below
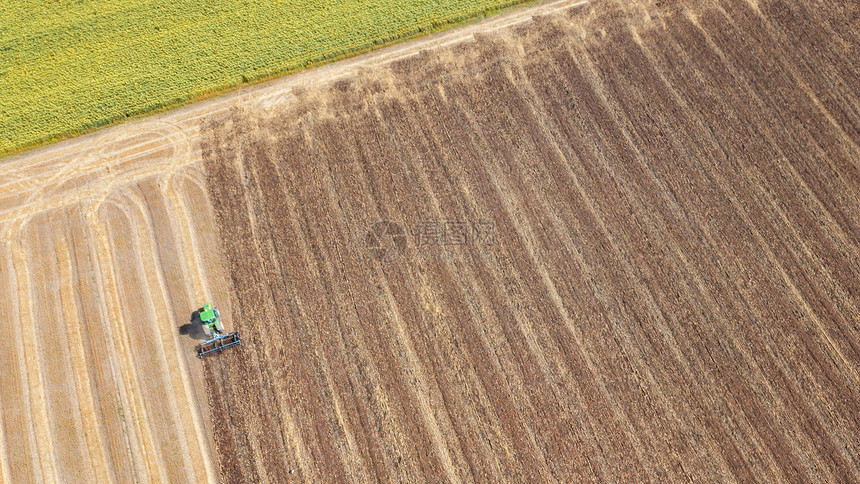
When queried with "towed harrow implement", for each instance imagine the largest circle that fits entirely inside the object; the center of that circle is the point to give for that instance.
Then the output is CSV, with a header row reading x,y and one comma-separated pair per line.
x,y
218,344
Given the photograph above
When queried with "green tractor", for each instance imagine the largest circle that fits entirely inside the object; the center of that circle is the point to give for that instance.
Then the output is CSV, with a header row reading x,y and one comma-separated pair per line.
x,y
219,339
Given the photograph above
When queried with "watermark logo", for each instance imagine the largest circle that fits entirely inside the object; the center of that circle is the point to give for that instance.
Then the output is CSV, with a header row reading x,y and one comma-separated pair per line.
x,y
451,233
387,240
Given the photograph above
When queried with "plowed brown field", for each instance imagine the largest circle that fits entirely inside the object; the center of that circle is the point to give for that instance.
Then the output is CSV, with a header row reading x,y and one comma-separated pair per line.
x,y
672,293
620,242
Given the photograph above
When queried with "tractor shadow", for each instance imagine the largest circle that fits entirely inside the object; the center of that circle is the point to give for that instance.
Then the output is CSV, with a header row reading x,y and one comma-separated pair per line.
x,y
194,328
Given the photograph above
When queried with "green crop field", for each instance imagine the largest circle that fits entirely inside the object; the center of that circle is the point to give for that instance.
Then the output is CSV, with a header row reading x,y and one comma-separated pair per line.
x,y
70,65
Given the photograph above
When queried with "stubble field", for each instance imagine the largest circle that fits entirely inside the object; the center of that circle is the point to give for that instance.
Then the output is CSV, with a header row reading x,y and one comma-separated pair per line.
x,y
615,243
107,247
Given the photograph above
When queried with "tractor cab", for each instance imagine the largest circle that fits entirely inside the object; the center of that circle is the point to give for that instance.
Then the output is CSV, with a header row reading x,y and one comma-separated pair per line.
x,y
211,320
208,315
